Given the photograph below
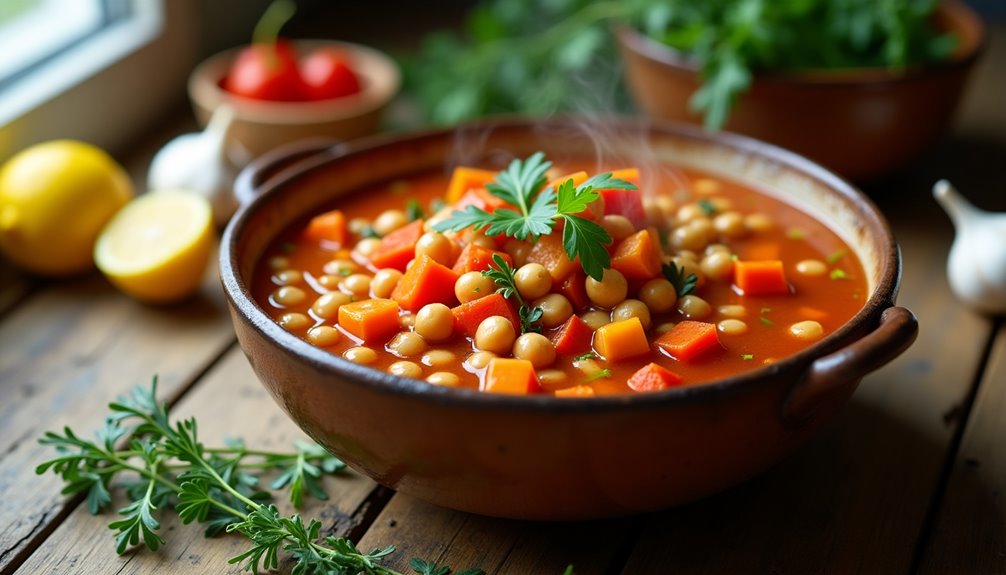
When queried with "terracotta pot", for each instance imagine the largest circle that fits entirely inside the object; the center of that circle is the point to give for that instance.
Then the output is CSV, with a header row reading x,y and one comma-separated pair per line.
x,y
861,123
544,457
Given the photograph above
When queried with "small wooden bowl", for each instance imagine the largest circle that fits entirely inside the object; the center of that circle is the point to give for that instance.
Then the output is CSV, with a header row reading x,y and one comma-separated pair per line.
x,y
862,123
260,125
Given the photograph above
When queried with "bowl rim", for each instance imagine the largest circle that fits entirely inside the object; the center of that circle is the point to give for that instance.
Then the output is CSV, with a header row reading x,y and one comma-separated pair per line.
x,y
243,304
382,77
638,43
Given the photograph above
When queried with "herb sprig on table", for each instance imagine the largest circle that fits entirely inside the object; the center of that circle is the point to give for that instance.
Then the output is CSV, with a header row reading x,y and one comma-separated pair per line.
x,y
165,465
537,208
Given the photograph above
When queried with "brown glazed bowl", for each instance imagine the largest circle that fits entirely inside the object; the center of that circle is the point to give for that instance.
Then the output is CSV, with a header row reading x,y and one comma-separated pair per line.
x,y
542,457
862,123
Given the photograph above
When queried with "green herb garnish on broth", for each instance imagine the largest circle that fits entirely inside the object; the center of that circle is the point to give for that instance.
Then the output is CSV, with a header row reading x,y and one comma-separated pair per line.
x,y
599,374
707,207
414,211
505,277
838,274
747,357
683,284
835,257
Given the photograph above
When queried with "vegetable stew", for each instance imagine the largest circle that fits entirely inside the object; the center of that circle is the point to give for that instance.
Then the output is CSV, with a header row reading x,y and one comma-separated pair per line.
x,y
543,279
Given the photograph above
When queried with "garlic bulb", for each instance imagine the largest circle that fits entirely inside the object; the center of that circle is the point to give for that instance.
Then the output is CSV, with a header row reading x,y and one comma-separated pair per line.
x,y
976,266
198,162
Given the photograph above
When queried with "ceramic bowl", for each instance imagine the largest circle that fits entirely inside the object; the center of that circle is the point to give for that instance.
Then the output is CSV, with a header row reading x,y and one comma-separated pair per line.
x,y
542,457
260,125
862,123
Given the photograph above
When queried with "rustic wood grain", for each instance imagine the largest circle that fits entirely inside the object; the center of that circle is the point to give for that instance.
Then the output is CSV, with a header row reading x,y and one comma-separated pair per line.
x,y
228,402
970,535
66,352
499,546
14,286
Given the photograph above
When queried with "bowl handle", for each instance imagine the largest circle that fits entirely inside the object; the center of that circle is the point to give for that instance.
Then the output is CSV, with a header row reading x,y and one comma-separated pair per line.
x,y
836,375
253,177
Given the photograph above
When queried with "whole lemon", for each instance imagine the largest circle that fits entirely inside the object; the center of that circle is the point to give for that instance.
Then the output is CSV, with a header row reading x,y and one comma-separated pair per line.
x,y
55,197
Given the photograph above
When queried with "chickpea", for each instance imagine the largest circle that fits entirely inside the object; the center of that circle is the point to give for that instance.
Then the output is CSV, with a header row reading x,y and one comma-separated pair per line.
x,y
533,281
705,186
757,222
360,354
366,247
341,267
439,358
555,309
437,247
689,266
659,295
327,305
287,296
713,248
323,335
688,212
732,327
704,226
288,277
384,282
329,282
407,321
632,308
473,285
595,319
389,221
482,240
356,284
435,322
618,227
664,327
688,238
552,379
730,224
811,268
406,369
480,359
717,265
407,344
721,204
608,292
535,348
277,263
808,330
734,311
444,378
294,321
495,334
694,307
518,250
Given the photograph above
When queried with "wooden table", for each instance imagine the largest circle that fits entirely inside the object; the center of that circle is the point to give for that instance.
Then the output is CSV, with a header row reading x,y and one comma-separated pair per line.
x,y
910,478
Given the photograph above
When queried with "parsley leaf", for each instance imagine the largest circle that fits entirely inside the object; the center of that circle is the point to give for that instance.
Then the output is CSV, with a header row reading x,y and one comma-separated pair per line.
x,y
682,285
413,210
599,374
505,277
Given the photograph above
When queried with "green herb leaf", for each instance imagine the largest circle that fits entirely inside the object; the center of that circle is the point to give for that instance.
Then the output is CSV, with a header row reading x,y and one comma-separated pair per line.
x,y
599,374
506,278
424,568
747,356
707,207
835,257
682,285
586,356
838,274
582,238
413,210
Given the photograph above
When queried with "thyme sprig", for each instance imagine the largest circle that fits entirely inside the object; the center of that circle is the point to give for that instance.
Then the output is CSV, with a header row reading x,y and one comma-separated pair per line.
x,y
217,487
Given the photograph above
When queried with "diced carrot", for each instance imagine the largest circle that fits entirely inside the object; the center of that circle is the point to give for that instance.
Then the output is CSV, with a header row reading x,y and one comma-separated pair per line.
x,y
399,247
638,256
575,289
760,278
577,177
328,228
510,376
628,203
425,282
812,313
370,319
653,378
573,337
576,391
550,253
688,340
464,178
479,198
469,315
621,340
475,258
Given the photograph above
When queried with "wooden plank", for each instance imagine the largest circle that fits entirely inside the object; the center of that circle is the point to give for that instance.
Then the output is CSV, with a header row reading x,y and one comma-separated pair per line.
x,y
228,402
499,546
14,286
66,352
970,535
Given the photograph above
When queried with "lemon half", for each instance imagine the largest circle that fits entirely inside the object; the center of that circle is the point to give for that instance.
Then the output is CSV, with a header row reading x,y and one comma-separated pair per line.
x,y
156,249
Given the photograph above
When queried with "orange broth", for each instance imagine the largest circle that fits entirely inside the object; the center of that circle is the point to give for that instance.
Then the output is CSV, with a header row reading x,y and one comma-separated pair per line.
x,y
830,299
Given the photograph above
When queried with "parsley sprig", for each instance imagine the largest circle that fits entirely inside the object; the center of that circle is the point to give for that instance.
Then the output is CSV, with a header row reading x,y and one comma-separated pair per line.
x,y
506,278
683,284
217,487
536,209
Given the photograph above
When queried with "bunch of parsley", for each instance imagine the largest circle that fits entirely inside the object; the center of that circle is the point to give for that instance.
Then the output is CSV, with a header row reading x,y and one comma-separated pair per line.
x,y
542,56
